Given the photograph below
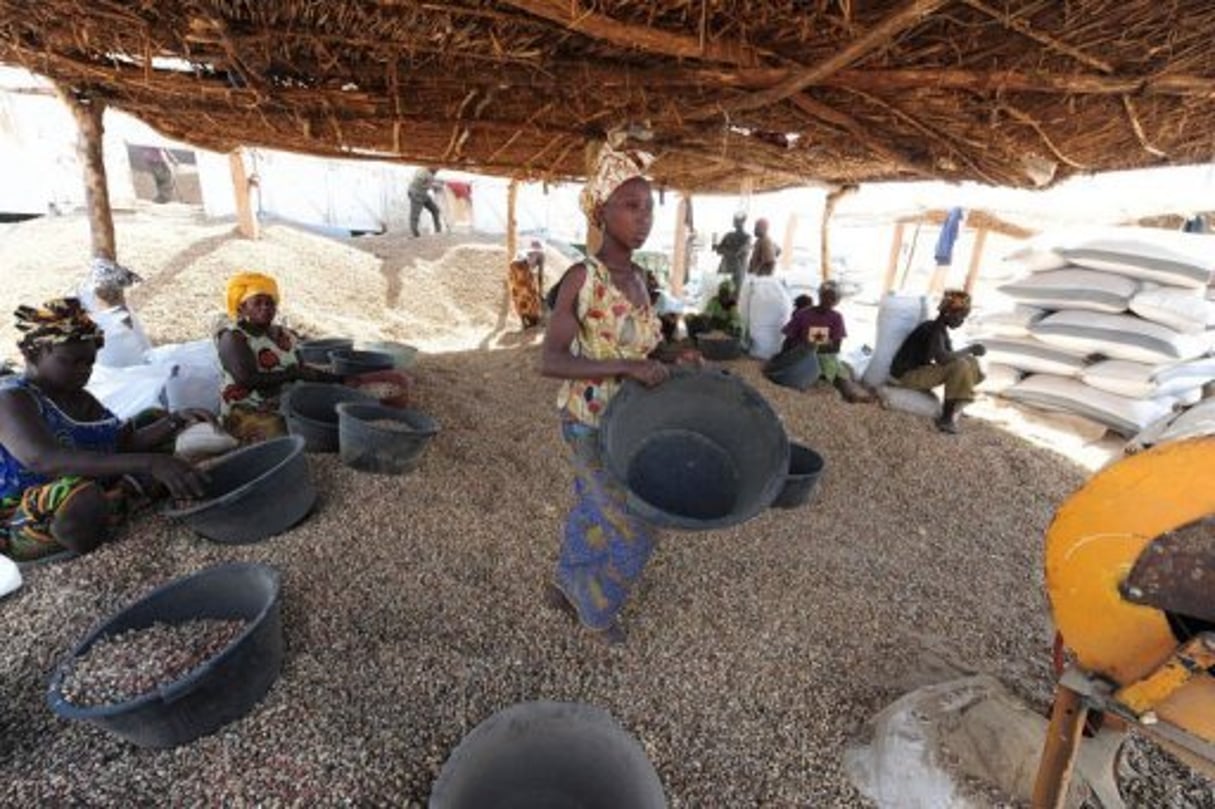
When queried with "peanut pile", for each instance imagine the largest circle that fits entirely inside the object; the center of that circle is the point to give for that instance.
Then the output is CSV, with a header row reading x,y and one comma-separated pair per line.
x,y
123,666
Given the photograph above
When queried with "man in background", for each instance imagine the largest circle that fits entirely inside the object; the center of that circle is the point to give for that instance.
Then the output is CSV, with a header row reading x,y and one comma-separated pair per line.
x,y
424,180
735,249
763,257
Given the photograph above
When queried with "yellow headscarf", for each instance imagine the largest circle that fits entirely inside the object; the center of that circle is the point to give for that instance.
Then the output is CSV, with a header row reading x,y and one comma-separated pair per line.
x,y
244,285
613,168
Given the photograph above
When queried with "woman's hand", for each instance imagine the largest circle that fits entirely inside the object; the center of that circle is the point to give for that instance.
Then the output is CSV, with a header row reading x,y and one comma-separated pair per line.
x,y
978,350
183,481
648,372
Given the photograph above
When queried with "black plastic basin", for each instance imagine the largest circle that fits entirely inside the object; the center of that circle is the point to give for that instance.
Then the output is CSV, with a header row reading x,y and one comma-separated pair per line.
x,y
253,493
219,691
548,755
805,470
719,347
703,450
310,409
347,362
797,368
316,352
381,439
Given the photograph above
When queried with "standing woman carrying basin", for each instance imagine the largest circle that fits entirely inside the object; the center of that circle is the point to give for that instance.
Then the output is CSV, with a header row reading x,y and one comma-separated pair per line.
x,y
603,331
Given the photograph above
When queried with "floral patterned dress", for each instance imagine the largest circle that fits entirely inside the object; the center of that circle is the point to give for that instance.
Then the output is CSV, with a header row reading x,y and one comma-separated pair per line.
x,y
604,547
610,327
253,415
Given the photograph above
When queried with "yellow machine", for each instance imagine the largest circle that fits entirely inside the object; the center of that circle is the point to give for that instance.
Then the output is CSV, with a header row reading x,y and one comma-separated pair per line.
x,y
1130,571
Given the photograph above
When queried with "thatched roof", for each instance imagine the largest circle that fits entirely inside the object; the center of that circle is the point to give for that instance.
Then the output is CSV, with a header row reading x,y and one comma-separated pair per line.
x,y
1019,92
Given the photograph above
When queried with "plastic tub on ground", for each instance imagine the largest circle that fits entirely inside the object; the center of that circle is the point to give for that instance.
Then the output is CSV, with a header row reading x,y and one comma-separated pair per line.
x,y
310,411
701,451
347,362
548,754
221,689
719,346
805,471
316,352
253,493
404,355
797,368
383,440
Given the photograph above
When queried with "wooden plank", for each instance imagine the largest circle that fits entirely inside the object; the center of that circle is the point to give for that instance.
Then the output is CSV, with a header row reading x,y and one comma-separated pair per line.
x,y
89,147
246,219
786,245
1059,752
833,198
892,267
679,262
936,282
512,224
976,259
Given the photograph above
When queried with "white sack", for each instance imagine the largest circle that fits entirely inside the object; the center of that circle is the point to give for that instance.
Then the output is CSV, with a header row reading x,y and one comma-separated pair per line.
x,y
898,315
1119,336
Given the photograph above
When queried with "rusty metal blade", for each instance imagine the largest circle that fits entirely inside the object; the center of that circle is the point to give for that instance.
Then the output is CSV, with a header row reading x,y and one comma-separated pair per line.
x,y
1176,572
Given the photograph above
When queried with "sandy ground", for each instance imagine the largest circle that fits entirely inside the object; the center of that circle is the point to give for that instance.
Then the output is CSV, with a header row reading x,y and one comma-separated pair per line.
x,y
411,605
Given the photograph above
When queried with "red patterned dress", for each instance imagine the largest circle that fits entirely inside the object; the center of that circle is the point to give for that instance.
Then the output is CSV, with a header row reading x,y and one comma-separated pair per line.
x,y
253,415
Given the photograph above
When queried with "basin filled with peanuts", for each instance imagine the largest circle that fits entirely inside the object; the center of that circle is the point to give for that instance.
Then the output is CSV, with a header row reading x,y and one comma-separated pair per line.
x,y
181,662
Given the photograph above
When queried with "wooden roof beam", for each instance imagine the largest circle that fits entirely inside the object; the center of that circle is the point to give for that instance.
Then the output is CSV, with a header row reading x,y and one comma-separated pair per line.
x,y
909,15
829,114
1021,26
571,15
1022,82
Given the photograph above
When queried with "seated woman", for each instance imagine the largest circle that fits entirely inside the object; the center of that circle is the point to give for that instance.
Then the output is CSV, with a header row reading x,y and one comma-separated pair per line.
x,y
70,470
720,313
665,305
258,358
525,279
823,327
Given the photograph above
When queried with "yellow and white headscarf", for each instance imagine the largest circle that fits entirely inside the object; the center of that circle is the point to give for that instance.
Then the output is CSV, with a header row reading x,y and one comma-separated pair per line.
x,y
613,167
245,285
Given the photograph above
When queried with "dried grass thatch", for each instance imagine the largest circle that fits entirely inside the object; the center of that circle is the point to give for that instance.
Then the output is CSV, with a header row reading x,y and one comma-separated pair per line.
x,y
779,92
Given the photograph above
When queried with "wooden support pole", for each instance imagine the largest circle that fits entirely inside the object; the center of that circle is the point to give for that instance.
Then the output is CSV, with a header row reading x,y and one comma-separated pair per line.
x,y
976,259
246,220
88,113
892,267
512,222
1059,752
786,245
936,283
833,198
679,262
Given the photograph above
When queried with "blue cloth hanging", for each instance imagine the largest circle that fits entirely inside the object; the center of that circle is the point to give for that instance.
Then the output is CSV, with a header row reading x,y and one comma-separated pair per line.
x,y
949,234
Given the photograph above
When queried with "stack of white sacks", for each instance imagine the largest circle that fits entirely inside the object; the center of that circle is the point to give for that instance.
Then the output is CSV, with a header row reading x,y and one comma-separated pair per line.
x,y
1117,325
